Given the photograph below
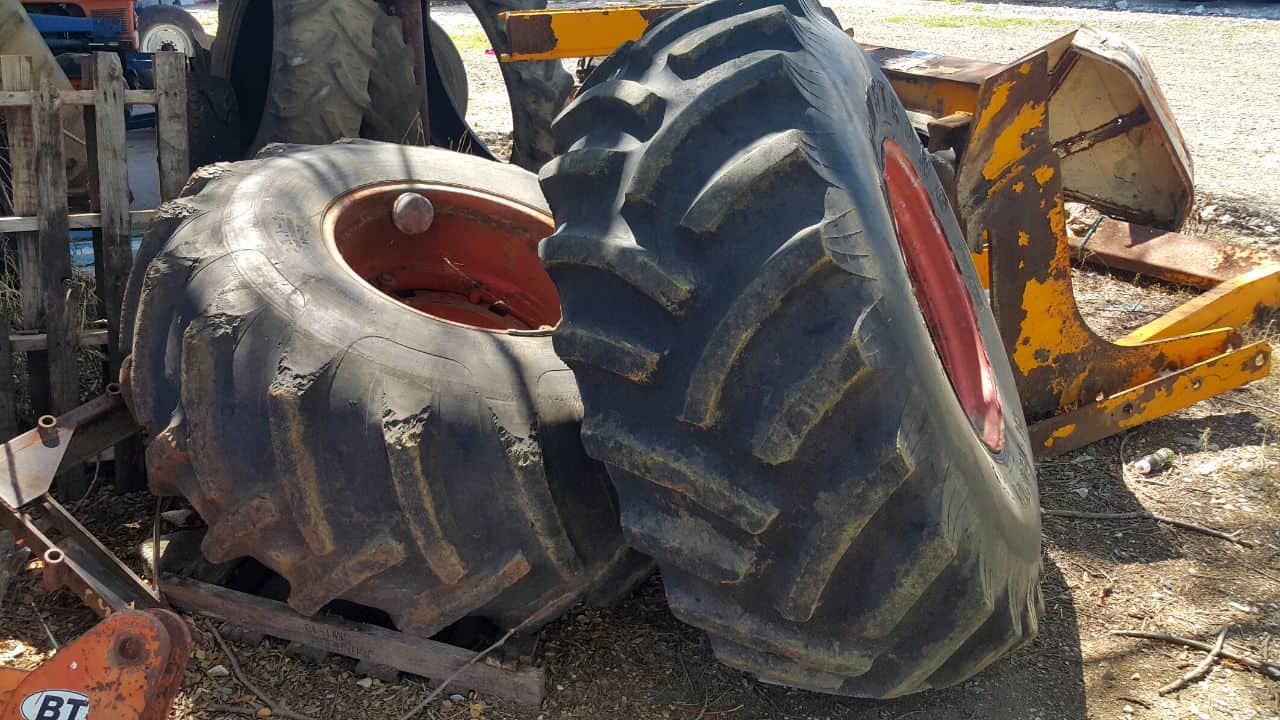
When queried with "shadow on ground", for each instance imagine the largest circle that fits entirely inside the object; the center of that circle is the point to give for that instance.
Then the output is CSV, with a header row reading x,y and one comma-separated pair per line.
x,y
636,661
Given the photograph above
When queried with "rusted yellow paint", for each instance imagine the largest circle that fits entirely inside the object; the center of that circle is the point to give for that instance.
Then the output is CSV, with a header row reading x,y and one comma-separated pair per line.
x,y
999,97
1058,224
1019,186
1154,399
1047,330
1024,68
1062,432
1023,238
1043,174
1234,303
1198,382
982,263
583,32
1007,149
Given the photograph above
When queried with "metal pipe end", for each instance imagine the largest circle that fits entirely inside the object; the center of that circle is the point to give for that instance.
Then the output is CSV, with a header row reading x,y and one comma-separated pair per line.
x,y
412,213
47,426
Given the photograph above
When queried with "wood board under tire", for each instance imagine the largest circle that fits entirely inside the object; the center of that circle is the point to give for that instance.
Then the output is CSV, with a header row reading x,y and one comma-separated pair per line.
x,y
361,449
756,369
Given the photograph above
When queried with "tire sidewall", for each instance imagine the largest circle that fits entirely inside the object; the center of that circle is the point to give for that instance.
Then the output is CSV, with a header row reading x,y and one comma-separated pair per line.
x,y
1010,485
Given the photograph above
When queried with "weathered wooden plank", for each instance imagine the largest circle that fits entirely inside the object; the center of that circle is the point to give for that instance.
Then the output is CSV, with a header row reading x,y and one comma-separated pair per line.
x,y
171,122
15,74
410,654
61,314
22,98
8,389
112,251
32,342
138,219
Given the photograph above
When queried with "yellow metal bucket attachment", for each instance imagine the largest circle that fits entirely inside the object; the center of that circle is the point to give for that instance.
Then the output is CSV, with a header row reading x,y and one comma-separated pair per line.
x,y
1075,387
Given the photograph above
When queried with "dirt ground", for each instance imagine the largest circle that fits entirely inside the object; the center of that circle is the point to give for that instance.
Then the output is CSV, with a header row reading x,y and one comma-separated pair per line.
x,y
634,661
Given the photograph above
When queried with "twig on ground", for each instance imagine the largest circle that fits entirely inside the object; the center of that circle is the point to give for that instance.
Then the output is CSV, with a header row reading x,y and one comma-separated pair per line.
x,y
538,616
1202,669
1266,669
276,708
97,467
1135,701
1143,515
48,633
234,710
1255,406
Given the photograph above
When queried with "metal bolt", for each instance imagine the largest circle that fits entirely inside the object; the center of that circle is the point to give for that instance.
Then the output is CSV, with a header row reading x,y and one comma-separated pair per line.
x,y
47,427
412,213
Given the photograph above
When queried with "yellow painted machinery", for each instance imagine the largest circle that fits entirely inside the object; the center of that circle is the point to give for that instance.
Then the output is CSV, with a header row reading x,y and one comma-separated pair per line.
x,y
1081,119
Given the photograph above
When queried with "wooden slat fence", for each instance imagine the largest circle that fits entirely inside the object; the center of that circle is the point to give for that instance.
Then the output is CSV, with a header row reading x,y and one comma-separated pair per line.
x,y
50,331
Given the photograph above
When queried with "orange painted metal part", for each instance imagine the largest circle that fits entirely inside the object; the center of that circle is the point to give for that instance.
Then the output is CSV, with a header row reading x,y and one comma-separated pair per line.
x,y
476,264
128,667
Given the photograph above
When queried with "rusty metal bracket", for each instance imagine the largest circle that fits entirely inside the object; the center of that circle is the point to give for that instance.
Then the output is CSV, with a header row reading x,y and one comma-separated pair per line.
x,y
71,556
128,667
30,462
1075,386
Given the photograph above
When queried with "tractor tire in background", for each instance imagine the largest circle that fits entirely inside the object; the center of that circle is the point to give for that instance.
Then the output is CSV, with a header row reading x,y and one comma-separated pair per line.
x,y
322,421
307,71
169,27
765,376
394,104
320,61
213,118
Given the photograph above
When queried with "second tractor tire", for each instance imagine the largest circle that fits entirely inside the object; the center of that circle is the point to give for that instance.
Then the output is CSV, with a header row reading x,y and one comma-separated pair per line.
x,y
363,449
757,369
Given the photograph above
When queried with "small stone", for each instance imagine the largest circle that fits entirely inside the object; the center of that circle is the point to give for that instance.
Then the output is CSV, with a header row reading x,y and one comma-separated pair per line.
x,y
218,671
477,709
1109,676
1226,219
1135,676
1082,492
264,712
365,682
1209,210
1128,709
457,698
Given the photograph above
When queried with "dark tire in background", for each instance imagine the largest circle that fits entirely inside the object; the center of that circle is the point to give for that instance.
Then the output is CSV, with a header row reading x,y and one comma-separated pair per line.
x,y
771,395
213,119
400,436
394,101
302,69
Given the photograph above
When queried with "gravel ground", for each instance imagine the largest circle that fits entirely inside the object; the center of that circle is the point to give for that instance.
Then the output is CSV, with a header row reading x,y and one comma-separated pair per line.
x,y
1216,62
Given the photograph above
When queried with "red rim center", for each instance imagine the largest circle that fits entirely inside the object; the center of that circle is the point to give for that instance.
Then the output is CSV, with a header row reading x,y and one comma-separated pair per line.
x,y
944,299
476,264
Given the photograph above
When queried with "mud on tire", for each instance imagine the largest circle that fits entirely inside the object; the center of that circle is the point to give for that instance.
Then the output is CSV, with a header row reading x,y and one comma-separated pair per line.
x,y
756,370
362,449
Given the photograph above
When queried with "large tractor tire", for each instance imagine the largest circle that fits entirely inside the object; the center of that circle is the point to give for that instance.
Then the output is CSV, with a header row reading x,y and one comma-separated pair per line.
x,y
379,417
311,71
395,106
780,382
